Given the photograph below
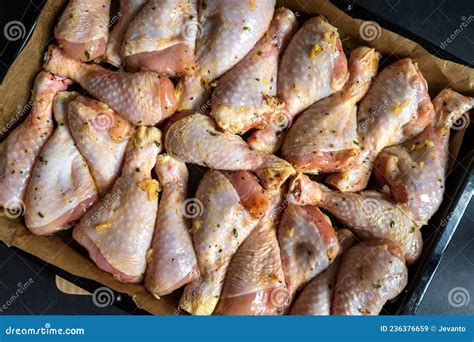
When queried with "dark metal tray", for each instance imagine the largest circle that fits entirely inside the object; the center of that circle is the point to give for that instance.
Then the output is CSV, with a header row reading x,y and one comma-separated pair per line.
x,y
436,235
459,188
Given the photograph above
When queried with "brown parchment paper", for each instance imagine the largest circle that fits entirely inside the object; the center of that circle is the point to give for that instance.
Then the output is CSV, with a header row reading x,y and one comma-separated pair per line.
x,y
61,251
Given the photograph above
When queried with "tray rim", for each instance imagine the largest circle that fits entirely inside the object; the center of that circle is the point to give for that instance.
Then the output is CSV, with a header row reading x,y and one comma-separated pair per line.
x,y
415,291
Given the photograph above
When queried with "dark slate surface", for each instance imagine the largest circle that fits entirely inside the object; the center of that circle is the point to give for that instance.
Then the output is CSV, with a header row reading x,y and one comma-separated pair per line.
x,y
453,283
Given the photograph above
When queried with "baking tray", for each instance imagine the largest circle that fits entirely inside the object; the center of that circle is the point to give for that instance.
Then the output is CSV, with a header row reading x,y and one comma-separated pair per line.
x,y
459,187
436,235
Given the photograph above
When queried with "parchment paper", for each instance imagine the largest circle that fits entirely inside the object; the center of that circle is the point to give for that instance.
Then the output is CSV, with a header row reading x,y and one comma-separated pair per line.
x,y
61,251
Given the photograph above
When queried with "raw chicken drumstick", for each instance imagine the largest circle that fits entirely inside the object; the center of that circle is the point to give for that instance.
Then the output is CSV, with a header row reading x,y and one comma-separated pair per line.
x,y
195,139
228,30
20,149
369,214
313,67
397,107
143,98
254,283
316,297
118,230
83,29
324,137
245,97
415,171
171,260
101,136
161,38
308,245
61,188
230,206
371,273
128,10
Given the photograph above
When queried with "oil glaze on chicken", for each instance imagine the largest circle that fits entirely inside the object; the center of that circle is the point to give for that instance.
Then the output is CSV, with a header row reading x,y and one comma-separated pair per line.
x,y
246,159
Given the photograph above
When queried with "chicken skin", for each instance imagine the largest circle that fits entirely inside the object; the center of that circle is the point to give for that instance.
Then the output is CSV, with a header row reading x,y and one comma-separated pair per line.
x,y
161,38
83,29
323,138
118,230
228,31
308,244
415,171
128,11
313,67
316,297
142,98
61,188
254,283
396,108
195,139
232,204
20,149
371,273
101,136
369,214
245,97
171,260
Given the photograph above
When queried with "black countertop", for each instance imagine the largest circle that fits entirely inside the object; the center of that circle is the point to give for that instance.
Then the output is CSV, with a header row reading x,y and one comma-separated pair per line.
x,y
453,284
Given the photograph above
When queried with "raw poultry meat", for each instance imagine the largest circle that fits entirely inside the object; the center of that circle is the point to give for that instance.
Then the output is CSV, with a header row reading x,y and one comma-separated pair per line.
x,y
171,260
143,98
270,138
371,273
323,138
83,29
101,136
161,38
128,10
316,297
247,83
313,66
369,214
230,206
245,97
195,139
20,149
61,188
228,30
415,171
397,107
254,283
117,231
308,244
